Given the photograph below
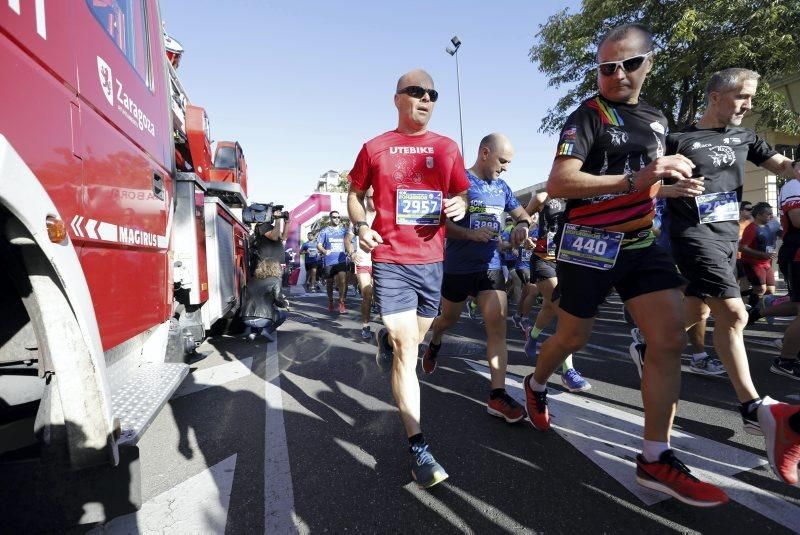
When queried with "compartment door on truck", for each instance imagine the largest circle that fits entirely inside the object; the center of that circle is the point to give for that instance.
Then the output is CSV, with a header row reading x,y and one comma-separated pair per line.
x,y
127,151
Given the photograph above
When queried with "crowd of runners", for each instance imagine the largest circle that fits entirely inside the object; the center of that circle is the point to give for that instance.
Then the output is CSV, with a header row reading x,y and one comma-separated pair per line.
x,y
656,216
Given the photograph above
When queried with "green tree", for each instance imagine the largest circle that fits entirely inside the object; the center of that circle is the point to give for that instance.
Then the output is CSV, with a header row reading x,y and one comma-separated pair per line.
x,y
693,40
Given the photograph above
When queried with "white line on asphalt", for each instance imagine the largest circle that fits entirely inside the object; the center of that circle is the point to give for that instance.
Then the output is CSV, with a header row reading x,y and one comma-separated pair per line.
x,y
279,514
197,505
214,376
611,439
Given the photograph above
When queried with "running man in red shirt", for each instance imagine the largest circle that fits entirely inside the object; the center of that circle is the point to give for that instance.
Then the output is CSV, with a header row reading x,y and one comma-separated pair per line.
x,y
418,181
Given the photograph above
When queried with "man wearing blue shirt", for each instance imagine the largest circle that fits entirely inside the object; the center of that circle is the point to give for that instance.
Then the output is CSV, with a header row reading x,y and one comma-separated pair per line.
x,y
330,243
472,267
309,250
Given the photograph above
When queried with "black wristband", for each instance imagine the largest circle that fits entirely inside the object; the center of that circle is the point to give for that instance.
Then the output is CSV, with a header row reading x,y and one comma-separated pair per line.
x,y
523,222
360,224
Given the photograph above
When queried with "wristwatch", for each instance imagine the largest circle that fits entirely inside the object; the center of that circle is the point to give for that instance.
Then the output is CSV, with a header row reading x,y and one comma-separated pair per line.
x,y
360,224
630,176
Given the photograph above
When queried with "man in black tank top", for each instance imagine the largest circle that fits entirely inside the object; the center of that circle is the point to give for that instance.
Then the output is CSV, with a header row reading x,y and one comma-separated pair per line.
x,y
609,165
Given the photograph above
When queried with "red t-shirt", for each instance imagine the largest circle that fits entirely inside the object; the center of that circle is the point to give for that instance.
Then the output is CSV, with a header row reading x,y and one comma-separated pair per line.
x,y
411,177
750,239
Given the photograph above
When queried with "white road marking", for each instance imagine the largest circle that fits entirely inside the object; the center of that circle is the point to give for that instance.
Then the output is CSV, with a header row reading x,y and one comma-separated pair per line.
x,y
197,505
611,438
214,376
279,514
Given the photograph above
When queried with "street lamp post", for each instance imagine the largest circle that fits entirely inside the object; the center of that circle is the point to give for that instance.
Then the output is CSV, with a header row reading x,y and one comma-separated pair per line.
x,y
454,52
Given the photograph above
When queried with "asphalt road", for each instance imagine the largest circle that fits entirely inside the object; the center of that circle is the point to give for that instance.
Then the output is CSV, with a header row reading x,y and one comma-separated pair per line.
x,y
302,435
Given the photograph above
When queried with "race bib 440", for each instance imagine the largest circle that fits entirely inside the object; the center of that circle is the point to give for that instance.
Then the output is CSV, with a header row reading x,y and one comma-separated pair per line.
x,y
418,207
589,247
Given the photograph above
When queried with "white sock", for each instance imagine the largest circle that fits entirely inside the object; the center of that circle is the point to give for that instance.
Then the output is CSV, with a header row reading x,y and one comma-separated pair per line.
x,y
536,387
652,450
699,356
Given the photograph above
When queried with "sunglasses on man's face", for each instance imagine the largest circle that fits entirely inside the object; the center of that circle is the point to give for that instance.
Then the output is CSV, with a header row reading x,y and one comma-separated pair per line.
x,y
608,68
335,217
418,92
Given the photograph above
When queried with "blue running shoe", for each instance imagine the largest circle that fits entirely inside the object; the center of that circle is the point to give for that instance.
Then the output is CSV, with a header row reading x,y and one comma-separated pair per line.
x,y
574,382
517,319
426,471
530,345
366,332
385,354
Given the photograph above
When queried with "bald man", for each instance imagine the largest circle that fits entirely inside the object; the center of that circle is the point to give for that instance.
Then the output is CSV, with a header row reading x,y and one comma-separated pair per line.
x,y
473,267
418,183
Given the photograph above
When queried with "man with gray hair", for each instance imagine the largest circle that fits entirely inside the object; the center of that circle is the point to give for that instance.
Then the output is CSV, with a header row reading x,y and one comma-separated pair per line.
x,y
704,232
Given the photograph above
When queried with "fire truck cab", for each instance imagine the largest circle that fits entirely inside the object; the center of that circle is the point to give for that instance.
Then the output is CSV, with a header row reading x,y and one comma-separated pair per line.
x,y
121,239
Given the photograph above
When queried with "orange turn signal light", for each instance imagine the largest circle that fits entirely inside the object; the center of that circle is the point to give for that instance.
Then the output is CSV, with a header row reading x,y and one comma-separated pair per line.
x,y
56,229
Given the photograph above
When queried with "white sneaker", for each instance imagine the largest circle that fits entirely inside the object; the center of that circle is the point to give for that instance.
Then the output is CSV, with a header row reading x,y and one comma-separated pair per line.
x,y
637,355
638,337
707,366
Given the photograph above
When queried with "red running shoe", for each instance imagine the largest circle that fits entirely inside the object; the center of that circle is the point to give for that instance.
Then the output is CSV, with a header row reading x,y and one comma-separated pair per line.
x,y
536,403
506,407
342,310
429,357
671,476
783,444
330,306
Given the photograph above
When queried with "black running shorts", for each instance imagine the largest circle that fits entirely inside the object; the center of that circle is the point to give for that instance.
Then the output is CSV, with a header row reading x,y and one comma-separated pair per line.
x,y
457,286
541,269
637,272
790,268
709,265
331,271
524,275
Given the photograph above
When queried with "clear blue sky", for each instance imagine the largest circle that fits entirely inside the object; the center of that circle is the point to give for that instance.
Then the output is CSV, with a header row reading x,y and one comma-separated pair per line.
x,y
302,84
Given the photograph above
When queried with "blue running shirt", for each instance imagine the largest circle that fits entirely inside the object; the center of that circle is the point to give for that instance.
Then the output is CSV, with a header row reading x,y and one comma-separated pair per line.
x,y
486,202
332,239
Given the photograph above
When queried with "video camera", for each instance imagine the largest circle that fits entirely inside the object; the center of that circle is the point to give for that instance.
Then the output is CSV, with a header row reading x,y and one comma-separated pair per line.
x,y
263,215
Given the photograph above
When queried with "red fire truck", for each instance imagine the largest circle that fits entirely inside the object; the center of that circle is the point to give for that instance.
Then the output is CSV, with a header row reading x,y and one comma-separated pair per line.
x,y
121,237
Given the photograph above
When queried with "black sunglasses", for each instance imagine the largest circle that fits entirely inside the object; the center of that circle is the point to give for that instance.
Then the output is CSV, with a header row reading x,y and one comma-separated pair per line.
x,y
417,92
628,65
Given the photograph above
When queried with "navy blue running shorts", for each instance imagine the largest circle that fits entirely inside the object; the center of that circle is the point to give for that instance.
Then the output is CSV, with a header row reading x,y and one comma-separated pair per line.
x,y
400,288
